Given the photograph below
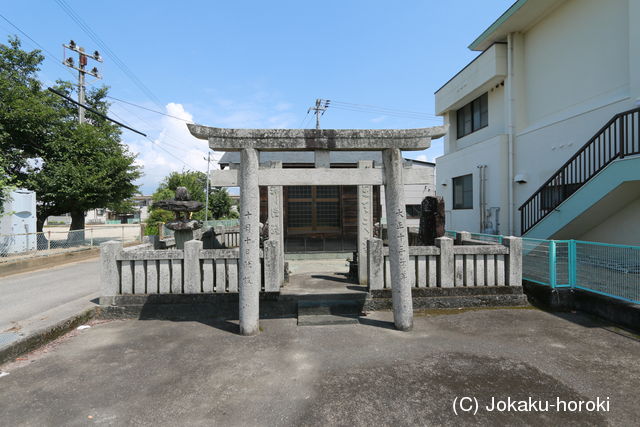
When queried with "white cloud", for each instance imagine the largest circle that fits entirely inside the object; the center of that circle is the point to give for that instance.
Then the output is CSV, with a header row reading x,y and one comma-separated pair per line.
x,y
378,119
175,149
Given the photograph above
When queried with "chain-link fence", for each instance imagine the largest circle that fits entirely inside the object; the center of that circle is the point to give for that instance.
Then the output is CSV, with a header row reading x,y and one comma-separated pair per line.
x,y
611,270
546,262
60,239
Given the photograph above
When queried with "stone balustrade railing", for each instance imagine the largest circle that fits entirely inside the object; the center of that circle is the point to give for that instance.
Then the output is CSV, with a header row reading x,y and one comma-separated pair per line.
x,y
141,270
467,264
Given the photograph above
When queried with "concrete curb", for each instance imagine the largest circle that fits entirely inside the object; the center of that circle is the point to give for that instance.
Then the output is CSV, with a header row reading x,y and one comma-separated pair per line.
x,y
40,262
45,335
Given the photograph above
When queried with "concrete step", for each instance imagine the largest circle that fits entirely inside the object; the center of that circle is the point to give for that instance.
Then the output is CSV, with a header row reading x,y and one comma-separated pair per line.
x,y
327,319
324,307
328,312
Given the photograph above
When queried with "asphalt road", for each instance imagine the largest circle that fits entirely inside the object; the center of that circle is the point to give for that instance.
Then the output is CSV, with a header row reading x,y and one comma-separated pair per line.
x,y
160,372
34,299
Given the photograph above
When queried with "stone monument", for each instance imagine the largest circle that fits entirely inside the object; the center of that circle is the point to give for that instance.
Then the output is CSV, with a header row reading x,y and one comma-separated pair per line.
x,y
182,206
431,220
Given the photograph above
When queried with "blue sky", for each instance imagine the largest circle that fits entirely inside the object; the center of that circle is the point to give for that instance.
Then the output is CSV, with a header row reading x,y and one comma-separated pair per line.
x,y
259,63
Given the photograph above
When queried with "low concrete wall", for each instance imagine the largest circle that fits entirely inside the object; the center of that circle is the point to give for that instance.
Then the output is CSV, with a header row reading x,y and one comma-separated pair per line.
x,y
456,297
566,299
38,261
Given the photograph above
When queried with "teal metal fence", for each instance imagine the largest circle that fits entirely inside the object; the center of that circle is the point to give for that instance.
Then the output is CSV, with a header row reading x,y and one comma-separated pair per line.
x,y
606,269
450,234
602,268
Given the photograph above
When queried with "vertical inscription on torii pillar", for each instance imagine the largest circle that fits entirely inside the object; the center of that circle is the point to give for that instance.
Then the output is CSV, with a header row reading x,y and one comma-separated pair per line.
x,y
275,224
365,223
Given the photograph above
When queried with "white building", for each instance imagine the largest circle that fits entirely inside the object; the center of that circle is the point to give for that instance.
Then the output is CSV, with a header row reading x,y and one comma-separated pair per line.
x,y
551,74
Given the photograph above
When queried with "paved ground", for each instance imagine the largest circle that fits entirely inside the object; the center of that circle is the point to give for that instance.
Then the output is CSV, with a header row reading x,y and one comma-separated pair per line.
x,y
202,373
30,301
320,277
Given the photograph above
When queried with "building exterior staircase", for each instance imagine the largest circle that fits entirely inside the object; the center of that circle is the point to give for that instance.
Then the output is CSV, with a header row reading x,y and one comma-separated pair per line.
x,y
593,172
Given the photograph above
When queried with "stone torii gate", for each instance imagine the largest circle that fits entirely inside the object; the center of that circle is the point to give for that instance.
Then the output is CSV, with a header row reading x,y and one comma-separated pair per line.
x,y
250,176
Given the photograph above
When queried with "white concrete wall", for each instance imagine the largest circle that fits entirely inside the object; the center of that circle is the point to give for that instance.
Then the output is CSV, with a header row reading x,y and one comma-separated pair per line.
x,y
489,68
574,70
576,55
492,153
622,227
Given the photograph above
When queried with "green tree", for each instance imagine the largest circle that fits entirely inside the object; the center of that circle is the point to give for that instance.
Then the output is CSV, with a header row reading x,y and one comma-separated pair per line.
x,y
5,187
72,167
220,204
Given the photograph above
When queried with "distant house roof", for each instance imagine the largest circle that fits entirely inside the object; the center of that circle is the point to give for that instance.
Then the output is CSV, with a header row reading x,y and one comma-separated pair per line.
x,y
337,157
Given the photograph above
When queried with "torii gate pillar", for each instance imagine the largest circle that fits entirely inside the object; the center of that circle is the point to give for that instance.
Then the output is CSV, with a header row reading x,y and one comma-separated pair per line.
x,y
249,289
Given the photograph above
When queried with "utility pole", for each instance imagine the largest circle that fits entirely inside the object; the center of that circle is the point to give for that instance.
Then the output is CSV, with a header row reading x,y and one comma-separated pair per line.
x,y
206,204
81,68
319,109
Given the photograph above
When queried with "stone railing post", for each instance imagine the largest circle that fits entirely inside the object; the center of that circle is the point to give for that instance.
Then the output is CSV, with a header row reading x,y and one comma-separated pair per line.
x,y
192,279
271,254
375,263
514,261
462,236
152,240
109,276
445,262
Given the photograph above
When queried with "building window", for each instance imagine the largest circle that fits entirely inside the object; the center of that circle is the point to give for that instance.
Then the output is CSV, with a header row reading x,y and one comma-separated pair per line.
x,y
473,116
463,192
413,211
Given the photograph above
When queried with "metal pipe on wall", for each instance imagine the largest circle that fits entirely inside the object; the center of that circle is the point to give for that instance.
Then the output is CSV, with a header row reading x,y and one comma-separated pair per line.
x,y
510,131
482,180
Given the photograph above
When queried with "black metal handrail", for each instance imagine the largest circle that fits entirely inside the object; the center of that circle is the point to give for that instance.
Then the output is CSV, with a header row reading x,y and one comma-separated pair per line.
x,y
616,139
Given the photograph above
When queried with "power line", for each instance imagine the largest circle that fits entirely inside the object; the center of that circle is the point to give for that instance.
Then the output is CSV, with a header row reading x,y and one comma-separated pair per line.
x,y
157,144
94,111
381,109
403,116
122,122
105,48
82,71
51,55
149,109
304,119
319,109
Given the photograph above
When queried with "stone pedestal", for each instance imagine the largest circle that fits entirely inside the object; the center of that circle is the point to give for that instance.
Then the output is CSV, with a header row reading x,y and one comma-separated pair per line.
x,y
398,240
249,265
182,236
